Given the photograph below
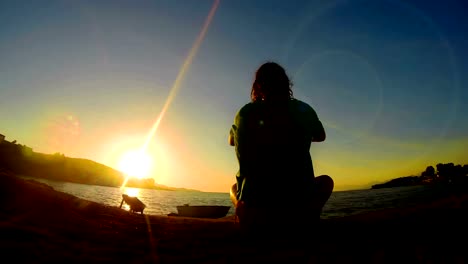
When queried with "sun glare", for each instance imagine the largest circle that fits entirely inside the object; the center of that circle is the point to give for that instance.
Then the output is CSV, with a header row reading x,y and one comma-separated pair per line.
x,y
136,164
131,191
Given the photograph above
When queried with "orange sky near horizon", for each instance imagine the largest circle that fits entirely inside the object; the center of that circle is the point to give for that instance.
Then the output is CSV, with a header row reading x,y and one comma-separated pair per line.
x,y
178,162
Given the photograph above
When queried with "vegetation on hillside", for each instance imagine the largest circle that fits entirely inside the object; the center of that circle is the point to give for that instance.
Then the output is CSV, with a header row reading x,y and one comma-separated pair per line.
x,y
443,173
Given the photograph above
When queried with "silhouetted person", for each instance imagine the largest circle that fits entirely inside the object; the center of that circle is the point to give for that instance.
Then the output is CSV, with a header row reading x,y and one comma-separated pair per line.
x,y
135,204
272,135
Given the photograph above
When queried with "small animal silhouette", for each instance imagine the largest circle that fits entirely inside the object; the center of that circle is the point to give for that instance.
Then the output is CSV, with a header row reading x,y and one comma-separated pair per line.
x,y
135,204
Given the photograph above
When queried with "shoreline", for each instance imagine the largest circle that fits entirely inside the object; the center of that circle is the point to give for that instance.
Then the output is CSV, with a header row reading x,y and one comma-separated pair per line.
x,y
335,208
40,224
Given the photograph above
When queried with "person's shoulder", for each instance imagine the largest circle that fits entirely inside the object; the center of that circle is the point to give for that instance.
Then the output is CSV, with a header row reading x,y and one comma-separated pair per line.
x,y
247,109
301,106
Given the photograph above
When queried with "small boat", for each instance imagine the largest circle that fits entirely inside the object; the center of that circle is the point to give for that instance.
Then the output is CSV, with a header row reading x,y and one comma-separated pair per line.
x,y
202,211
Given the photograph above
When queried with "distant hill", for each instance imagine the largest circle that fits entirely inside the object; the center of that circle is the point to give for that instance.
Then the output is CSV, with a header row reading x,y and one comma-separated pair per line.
x,y
443,173
398,182
22,160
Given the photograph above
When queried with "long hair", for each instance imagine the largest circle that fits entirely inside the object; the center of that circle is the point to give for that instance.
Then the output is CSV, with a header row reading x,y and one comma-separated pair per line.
x,y
271,84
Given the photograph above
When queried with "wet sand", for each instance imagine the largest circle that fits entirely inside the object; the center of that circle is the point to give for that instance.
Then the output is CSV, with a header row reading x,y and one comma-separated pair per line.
x,y
41,225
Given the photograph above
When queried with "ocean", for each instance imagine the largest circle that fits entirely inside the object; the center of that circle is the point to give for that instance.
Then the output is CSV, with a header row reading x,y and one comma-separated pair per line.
x,y
160,202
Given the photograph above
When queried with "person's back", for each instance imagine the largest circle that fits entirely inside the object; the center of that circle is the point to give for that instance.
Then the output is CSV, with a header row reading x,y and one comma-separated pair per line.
x,y
273,142
272,136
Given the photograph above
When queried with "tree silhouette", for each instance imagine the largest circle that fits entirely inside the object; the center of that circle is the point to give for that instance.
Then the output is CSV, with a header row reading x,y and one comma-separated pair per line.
x,y
450,173
429,172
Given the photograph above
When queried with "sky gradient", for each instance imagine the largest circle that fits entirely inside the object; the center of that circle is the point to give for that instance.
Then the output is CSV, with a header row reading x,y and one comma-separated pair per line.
x,y
90,78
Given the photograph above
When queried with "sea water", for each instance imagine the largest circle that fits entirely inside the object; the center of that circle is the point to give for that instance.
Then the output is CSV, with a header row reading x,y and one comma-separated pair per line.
x,y
161,202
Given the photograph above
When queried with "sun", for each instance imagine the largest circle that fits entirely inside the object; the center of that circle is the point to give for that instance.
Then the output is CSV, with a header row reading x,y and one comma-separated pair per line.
x,y
136,163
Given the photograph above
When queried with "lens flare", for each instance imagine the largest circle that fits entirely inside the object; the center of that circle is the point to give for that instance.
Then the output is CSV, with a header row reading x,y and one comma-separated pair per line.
x,y
176,86
188,61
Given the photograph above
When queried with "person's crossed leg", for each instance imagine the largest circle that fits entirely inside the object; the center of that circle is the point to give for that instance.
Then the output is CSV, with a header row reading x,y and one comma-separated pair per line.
x,y
323,188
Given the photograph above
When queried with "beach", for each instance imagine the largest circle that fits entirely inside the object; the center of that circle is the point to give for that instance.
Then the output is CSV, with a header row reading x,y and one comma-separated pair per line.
x,y
41,225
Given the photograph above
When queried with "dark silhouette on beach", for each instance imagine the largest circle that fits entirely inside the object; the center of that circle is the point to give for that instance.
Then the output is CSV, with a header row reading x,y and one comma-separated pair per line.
x,y
272,136
135,204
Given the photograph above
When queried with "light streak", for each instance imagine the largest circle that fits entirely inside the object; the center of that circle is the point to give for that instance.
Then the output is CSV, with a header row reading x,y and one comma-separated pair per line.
x,y
176,86
180,76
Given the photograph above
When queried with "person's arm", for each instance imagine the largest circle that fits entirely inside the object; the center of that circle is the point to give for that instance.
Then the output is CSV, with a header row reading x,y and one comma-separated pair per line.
x,y
319,134
315,125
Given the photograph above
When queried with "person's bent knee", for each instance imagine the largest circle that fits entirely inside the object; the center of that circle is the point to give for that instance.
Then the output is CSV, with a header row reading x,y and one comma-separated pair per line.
x,y
233,194
325,181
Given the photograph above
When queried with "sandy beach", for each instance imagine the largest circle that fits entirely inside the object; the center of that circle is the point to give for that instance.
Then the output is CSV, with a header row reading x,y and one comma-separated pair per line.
x,y
41,225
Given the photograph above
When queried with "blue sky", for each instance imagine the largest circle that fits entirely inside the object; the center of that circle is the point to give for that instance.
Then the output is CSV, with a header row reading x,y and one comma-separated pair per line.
x,y
89,78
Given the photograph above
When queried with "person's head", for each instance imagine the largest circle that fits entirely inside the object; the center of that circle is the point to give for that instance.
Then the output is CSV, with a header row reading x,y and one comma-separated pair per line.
x,y
271,84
